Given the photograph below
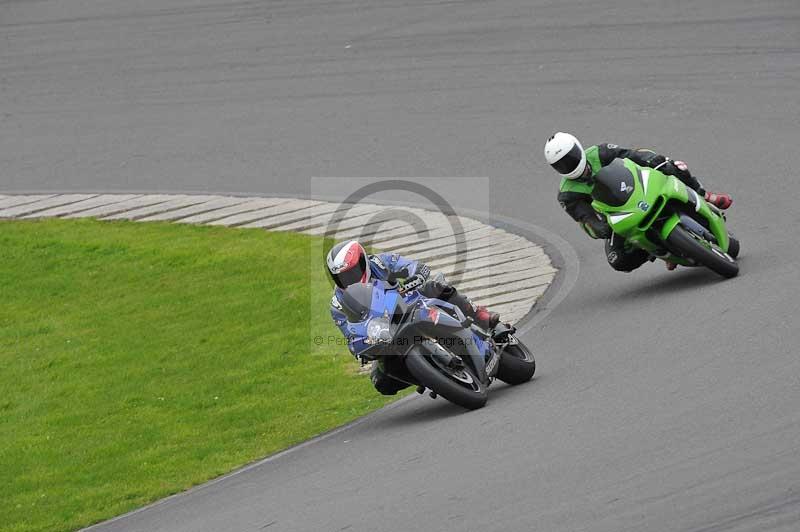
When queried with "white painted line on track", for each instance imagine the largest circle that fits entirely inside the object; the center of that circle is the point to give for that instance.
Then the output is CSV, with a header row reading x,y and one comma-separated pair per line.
x,y
533,277
521,296
267,211
364,212
247,205
479,267
193,210
122,206
79,206
486,258
12,201
513,288
276,221
55,201
499,248
411,237
477,238
169,205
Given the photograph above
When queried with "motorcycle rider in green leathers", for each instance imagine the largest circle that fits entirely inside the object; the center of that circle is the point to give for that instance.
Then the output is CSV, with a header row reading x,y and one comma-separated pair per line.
x,y
578,167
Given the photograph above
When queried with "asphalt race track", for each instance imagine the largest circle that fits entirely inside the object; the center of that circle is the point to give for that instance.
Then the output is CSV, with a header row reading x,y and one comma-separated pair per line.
x,y
665,401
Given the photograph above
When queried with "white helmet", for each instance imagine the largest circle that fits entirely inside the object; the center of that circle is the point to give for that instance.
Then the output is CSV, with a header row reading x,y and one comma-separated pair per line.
x,y
565,154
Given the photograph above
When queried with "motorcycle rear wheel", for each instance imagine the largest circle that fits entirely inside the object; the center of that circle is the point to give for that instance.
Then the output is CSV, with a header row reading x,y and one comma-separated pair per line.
x,y
517,364
733,246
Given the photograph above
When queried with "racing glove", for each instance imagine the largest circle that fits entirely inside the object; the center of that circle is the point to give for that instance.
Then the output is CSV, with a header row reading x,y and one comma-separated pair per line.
x,y
414,282
596,229
594,223
579,207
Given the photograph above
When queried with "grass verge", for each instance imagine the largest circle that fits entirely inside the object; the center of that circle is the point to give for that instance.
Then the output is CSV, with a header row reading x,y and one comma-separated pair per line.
x,y
137,360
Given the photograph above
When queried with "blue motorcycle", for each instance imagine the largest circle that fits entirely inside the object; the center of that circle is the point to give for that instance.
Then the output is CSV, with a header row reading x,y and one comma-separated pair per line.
x,y
429,343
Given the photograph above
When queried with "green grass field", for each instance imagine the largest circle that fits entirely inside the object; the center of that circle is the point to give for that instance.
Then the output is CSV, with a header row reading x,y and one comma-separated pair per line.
x,y
137,360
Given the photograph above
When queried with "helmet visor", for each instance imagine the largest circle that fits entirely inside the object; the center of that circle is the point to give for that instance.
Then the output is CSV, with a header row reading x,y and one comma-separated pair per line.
x,y
569,162
353,275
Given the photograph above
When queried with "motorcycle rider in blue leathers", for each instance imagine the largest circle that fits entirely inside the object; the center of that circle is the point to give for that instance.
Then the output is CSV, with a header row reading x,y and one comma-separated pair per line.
x,y
348,263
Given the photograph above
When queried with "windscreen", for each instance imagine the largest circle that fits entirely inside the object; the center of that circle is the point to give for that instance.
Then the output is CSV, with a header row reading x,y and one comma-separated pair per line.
x,y
356,301
614,184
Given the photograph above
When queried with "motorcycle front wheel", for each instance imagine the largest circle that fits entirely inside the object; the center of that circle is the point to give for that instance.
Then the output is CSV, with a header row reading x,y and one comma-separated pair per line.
x,y
687,244
458,385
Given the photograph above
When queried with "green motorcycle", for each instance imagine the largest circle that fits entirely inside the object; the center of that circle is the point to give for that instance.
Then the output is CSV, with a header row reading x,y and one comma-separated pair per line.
x,y
658,213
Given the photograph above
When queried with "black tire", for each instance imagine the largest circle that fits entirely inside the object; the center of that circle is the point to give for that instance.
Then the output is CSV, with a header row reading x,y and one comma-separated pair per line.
x,y
691,246
517,364
431,375
733,246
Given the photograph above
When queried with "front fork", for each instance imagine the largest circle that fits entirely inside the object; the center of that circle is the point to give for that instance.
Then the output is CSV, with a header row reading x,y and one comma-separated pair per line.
x,y
502,337
716,222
